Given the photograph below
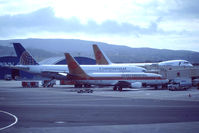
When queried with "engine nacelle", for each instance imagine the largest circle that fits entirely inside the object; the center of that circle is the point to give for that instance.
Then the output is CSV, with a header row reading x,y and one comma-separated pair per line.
x,y
136,85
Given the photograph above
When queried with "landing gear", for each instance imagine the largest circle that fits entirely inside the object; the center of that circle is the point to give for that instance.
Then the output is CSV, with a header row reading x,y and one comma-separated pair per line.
x,y
156,87
119,88
115,88
144,85
78,85
87,86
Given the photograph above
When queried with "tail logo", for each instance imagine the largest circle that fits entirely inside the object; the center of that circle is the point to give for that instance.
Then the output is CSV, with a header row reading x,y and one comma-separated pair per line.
x,y
26,59
98,55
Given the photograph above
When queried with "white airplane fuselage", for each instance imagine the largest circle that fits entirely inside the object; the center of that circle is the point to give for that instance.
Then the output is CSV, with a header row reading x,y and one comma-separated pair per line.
x,y
180,63
111,79
50,70
101,58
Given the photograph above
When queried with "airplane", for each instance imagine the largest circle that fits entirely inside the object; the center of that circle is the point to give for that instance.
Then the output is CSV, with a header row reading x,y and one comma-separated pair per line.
x,y
102,59
28,63
175,63
117,80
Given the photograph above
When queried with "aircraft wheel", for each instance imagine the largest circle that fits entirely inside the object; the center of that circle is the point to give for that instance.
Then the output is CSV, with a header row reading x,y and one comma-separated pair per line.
x,y
120,88
80,85
156,87
76,85
115,88
87,86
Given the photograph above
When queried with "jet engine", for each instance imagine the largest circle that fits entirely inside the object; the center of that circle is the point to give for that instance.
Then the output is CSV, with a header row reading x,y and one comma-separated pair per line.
x,y
136,85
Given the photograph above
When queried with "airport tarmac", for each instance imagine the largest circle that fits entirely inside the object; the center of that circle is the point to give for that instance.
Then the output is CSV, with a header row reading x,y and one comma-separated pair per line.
x,y
61,109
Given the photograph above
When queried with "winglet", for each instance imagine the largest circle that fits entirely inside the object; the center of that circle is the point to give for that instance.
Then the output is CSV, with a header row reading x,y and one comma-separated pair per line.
x,y
24,57
74,67
101,58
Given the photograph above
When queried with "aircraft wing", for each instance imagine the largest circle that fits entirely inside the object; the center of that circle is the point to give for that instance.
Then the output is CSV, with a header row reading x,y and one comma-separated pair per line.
x,y
24,68
53,74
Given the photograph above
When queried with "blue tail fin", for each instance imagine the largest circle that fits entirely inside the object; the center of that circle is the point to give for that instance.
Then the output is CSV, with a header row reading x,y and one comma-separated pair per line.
x,y
24,57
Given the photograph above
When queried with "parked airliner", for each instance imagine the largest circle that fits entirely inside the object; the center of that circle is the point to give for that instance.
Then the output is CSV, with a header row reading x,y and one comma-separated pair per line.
x,y
102,59
118,80
29,64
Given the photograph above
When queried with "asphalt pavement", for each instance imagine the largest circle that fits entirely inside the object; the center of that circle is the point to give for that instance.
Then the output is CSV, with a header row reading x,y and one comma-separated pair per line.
x,y
62,109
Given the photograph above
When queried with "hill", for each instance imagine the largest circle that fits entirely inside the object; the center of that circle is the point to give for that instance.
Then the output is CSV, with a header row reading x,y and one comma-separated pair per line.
x,y
44,48
38,54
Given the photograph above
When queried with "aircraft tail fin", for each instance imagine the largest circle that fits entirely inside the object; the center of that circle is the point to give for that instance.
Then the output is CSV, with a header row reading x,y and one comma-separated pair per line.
x,y
24,57
74,67
101,58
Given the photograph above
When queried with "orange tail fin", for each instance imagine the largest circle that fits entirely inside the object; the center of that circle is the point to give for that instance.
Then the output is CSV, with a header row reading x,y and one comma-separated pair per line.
x,y
74,67
101,58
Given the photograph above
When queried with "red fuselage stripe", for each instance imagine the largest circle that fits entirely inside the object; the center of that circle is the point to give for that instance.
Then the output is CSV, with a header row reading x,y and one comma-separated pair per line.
x,y
117,78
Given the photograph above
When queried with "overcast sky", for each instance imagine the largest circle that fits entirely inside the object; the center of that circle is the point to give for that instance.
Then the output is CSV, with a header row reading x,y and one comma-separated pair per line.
x,y
163,24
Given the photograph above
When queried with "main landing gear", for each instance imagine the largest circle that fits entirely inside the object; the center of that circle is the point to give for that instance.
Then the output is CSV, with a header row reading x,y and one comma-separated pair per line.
x,y
119,88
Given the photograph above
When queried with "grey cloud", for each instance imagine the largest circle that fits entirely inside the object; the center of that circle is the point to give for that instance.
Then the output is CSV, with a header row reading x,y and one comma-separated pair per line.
x,y
188,8
173,9
183,9
44,20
